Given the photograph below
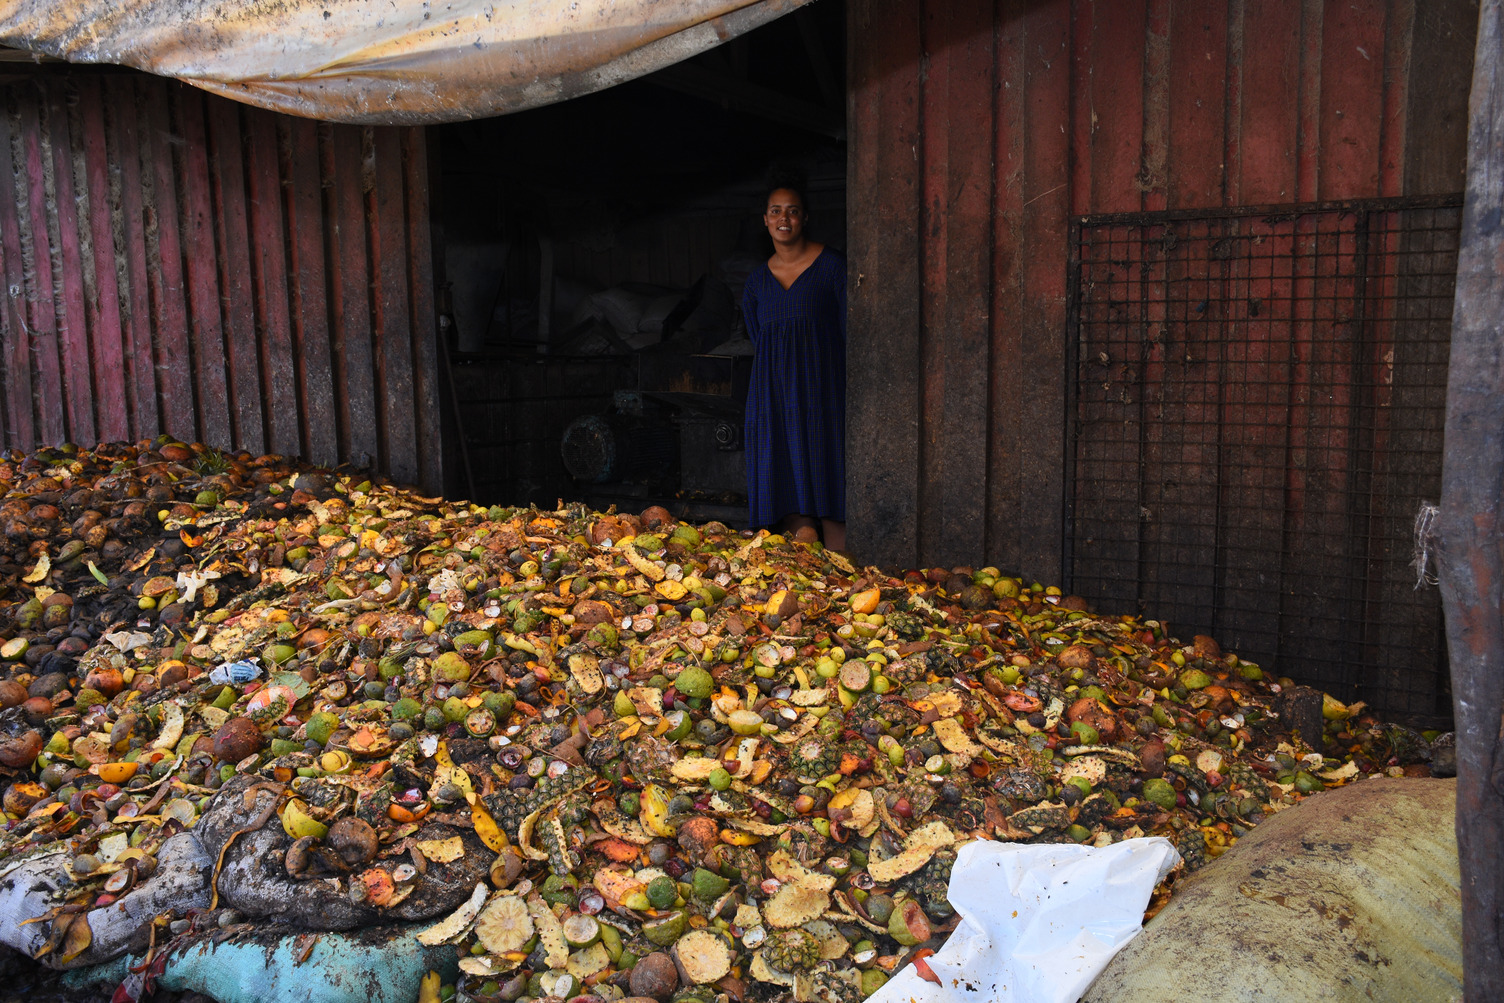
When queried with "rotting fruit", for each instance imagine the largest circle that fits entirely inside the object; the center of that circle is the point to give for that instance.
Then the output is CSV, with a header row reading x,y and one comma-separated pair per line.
x,y
704,749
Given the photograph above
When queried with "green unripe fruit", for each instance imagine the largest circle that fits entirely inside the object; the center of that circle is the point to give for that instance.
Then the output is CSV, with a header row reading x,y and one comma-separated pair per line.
x,y
611,941
87,698
908,925
708,885
603,635
680,725
1085,733
662,891
320,726
480,722
880,908
1160,792
499,704
694,682
1195,679
451,667
665,930
279,654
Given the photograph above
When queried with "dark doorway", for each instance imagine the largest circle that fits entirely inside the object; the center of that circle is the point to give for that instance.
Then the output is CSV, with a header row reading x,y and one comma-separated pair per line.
x,y
594,253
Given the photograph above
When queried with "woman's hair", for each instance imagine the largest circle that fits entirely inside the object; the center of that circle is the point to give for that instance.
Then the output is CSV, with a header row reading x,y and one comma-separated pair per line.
x,y
789,177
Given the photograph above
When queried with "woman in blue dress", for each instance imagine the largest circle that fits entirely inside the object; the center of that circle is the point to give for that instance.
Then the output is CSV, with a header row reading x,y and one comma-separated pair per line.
x,y
795,312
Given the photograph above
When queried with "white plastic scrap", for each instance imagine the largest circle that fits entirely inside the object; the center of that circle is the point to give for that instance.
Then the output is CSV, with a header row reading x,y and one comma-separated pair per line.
x,y
189,582
128,642
1038,922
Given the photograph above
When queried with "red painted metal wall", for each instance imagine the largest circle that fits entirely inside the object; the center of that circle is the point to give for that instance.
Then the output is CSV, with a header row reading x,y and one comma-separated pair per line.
x,y
176,262
978,130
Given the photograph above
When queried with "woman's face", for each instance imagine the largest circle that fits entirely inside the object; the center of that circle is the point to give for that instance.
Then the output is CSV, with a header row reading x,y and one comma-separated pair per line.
x,y
785,216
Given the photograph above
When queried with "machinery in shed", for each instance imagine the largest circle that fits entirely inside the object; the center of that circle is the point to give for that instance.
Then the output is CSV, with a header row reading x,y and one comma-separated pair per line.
x,y
676,439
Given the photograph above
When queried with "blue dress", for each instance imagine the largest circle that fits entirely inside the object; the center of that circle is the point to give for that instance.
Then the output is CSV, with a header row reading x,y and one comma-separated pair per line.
x,y
796,397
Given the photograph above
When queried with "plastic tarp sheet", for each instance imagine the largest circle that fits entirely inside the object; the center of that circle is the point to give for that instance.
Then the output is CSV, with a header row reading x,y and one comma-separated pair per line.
x,y
397,62
1038,922
377,965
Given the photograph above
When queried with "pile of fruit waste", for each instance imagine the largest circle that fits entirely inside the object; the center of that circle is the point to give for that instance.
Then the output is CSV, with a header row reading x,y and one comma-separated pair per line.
x,y
606,754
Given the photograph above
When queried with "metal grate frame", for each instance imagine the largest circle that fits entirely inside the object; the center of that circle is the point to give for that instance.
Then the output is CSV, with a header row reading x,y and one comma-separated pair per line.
x,y
1257,398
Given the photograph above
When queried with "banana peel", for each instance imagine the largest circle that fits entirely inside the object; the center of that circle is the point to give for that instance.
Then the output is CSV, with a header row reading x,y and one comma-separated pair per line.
x,y
1335,710
653,811
485,826
297,822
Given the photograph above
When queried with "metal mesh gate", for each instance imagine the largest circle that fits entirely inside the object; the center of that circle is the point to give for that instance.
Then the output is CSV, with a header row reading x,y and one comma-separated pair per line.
x,y
1258,397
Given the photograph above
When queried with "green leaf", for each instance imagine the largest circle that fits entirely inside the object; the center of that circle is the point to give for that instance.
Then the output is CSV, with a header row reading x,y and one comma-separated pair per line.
x,y
292,681
99,576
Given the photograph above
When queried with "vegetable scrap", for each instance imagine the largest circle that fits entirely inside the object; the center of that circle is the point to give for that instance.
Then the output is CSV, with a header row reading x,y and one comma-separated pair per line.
x,y
605,754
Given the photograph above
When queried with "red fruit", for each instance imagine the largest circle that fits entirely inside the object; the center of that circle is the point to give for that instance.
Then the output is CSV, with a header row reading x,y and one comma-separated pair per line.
x,y
237,739
37,709
19,753
107,681
656,516
12,694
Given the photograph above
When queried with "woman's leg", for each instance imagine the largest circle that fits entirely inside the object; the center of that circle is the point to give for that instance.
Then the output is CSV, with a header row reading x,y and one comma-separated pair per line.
x,y
834,534
800,527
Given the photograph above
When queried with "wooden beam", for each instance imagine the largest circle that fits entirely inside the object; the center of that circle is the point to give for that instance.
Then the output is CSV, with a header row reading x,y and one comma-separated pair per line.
x,y
1472,523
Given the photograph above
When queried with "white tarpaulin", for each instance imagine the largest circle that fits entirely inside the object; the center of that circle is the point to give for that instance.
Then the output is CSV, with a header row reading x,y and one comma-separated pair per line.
x,y
386,62
1038,922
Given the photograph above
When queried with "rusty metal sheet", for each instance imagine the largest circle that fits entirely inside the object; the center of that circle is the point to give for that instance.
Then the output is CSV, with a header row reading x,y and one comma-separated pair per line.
x,y
404,62
215,309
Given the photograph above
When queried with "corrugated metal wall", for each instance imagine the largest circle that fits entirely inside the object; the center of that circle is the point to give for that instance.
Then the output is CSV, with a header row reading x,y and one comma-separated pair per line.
x,y
978,131
176,262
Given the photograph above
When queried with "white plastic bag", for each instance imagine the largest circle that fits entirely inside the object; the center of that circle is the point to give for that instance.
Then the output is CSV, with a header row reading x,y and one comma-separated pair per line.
x,y
1038,922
